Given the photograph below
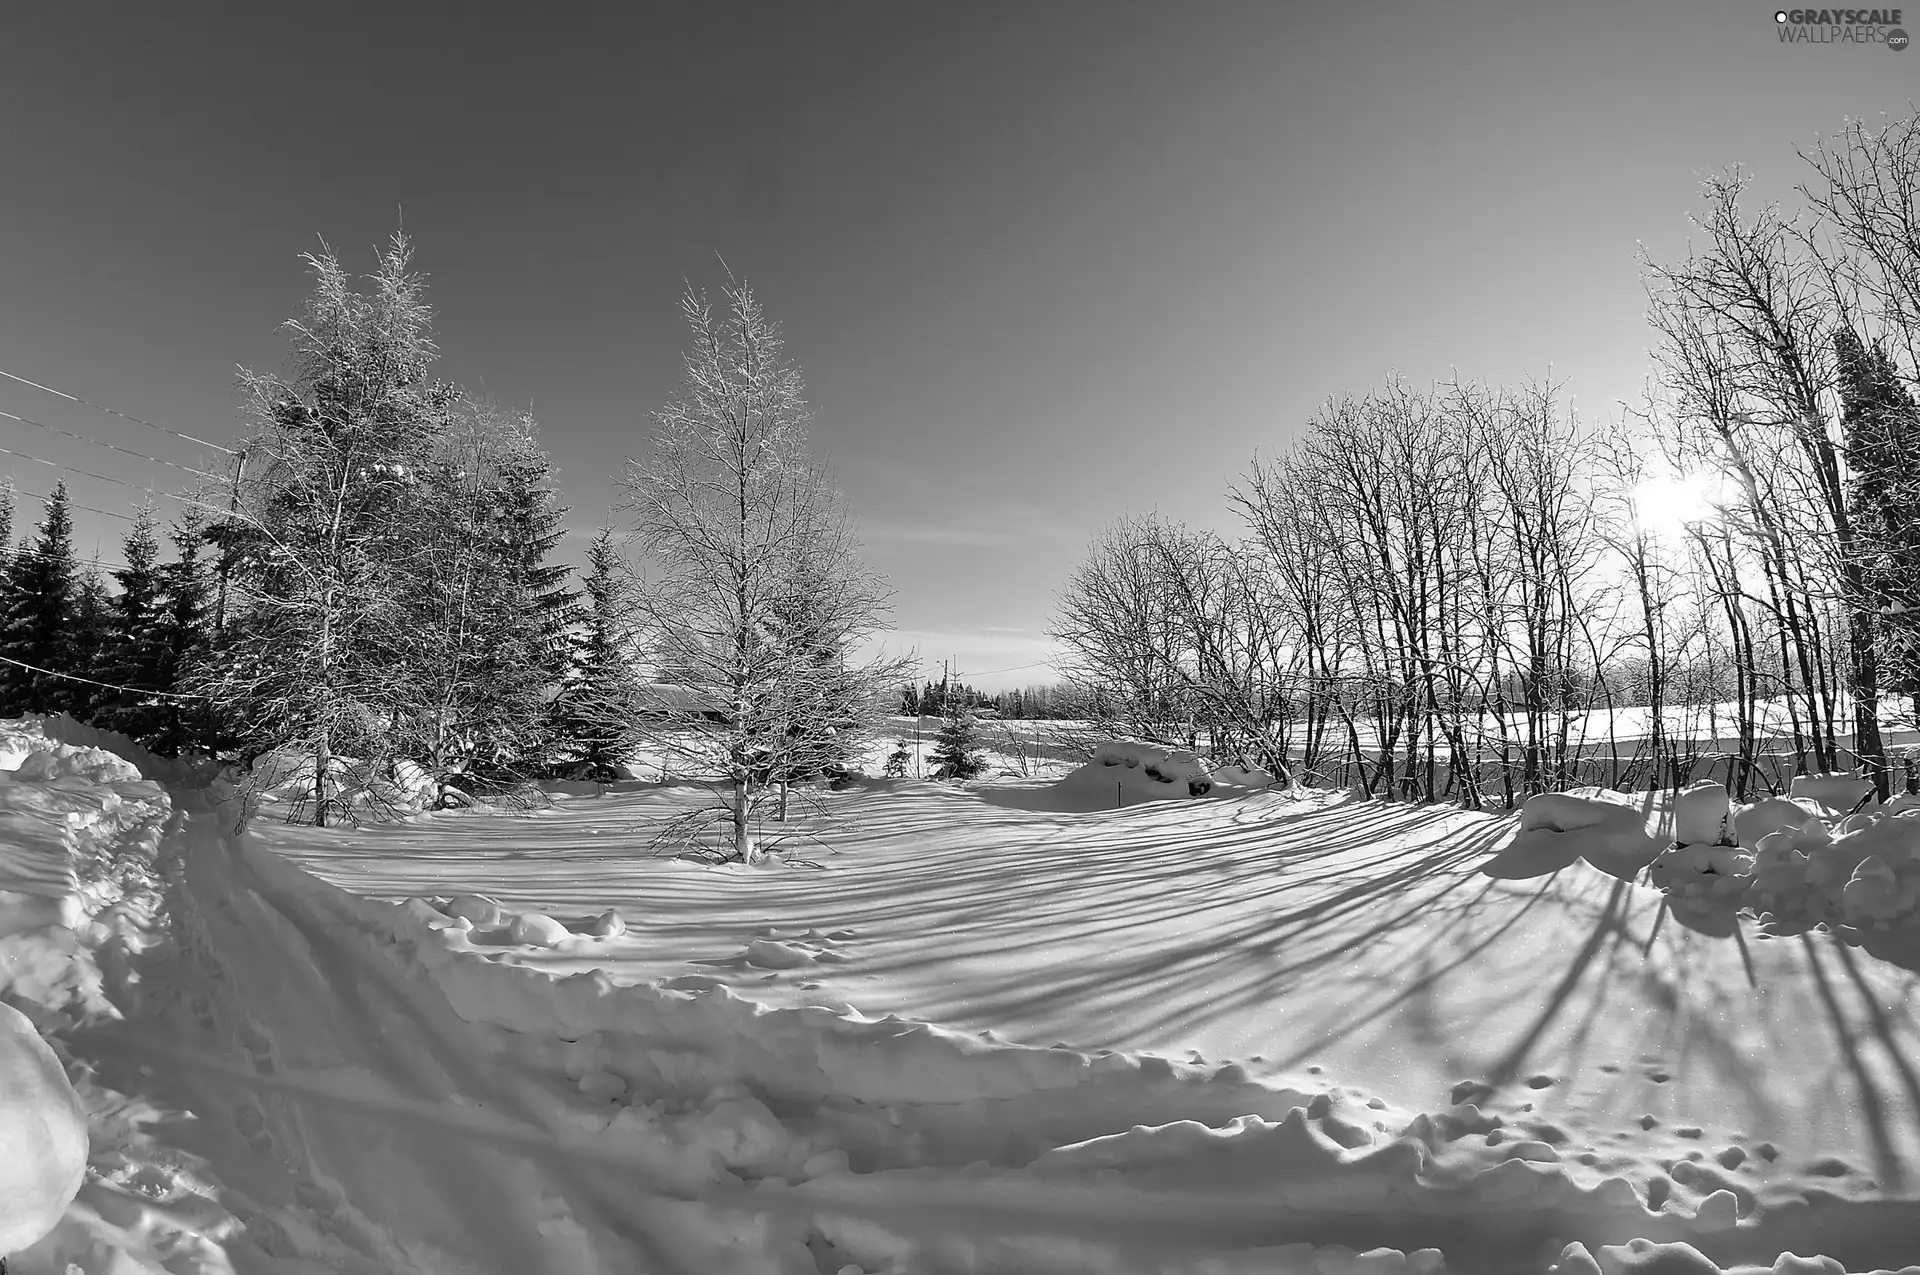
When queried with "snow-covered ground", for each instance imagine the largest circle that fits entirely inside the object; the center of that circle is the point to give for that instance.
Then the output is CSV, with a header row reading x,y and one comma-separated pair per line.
x,y
1007,1027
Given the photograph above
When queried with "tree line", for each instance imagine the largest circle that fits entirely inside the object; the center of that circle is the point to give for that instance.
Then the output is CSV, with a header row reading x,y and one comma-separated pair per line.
x,y
1039,702
1453,592
369,593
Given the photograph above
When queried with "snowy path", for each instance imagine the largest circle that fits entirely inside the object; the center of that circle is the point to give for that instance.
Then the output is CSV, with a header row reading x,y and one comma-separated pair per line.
x,y
267,974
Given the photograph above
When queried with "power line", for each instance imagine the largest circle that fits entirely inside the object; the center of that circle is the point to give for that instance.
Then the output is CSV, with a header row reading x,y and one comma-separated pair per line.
x,y
43,498
109,446
29,551
73,677
115,412
54,464
229,512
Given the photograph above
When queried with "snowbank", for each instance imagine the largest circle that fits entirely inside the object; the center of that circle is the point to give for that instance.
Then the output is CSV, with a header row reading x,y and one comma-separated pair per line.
x,y
79,885
842,1142
1127,773
1559,828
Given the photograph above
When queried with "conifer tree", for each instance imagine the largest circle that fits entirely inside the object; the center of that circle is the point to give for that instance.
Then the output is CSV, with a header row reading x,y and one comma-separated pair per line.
x,y
956,748
477,650
1881,428
83,645
184,638
6,524
596,712
133,651
325,548
531,526
36,612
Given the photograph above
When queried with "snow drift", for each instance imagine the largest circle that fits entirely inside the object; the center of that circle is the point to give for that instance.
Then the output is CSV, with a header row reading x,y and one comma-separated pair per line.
x,y
782,1141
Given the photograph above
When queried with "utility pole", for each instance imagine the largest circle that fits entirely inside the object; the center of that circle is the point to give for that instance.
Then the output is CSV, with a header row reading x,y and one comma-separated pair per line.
x,y
226,557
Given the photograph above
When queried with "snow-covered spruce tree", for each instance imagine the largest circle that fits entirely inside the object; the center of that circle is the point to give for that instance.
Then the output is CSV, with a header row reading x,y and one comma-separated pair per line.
x,y
956,749
325,545
736,523
595,716
36,611
133,651
830,706
183,638
84,643
477,649
6,524
1881,428
531,527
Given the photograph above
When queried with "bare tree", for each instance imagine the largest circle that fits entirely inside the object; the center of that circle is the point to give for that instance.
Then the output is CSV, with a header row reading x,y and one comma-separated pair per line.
x,y
754,603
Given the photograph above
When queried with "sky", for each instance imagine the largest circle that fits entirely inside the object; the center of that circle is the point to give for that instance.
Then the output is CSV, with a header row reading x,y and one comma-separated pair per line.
x,y
1043,265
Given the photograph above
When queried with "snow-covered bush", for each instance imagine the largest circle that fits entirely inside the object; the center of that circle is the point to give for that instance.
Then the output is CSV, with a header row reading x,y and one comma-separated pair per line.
x,y
1799,866
1167,766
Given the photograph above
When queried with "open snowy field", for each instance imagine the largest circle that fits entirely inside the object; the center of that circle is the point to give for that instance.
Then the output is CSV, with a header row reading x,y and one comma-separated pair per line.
x,y
1005,1027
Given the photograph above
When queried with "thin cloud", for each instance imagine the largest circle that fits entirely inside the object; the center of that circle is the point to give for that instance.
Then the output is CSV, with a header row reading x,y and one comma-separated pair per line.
x,y
1003,527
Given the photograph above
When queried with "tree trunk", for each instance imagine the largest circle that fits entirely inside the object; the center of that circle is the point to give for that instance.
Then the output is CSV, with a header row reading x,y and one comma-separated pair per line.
x,y
743,846
1863,669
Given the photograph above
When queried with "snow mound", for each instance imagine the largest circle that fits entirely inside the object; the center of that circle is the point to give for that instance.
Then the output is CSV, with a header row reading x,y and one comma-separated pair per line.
x,y
536,929
1162,765
1772,814
1795,868
1558,829
1702,815
1834,794
44,1130
79,829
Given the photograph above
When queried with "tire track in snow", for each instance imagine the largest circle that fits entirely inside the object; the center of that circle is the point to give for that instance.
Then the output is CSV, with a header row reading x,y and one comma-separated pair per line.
x,y
416,1042
307,993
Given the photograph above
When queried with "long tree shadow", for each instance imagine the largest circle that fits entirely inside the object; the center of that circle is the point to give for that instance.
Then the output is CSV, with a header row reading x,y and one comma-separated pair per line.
x,y
1360,935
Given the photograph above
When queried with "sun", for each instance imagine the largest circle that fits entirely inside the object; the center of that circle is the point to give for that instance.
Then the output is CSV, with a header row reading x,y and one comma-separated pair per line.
x,y
1666,504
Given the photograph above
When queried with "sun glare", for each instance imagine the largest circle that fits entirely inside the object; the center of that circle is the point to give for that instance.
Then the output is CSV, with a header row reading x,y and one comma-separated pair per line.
x,y
1666,504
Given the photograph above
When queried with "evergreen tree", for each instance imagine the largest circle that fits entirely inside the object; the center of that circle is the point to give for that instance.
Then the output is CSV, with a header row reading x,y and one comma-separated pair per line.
x,y
36,612
596,710
1881,430
6,524
531,528
134,648
326,546
898,760
184,638
477,649
956,748
83,645
910,700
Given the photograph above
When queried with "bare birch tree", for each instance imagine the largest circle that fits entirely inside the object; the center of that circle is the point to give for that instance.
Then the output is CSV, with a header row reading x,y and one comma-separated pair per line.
x,y
753,600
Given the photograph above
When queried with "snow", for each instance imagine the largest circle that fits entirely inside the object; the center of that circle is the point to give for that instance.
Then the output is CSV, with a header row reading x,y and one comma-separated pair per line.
x,y
1703,815
44,1130
1559,828
1306,1035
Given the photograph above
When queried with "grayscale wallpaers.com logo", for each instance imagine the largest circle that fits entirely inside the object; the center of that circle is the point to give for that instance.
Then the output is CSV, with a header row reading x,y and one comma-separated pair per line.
x,y
1841,26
